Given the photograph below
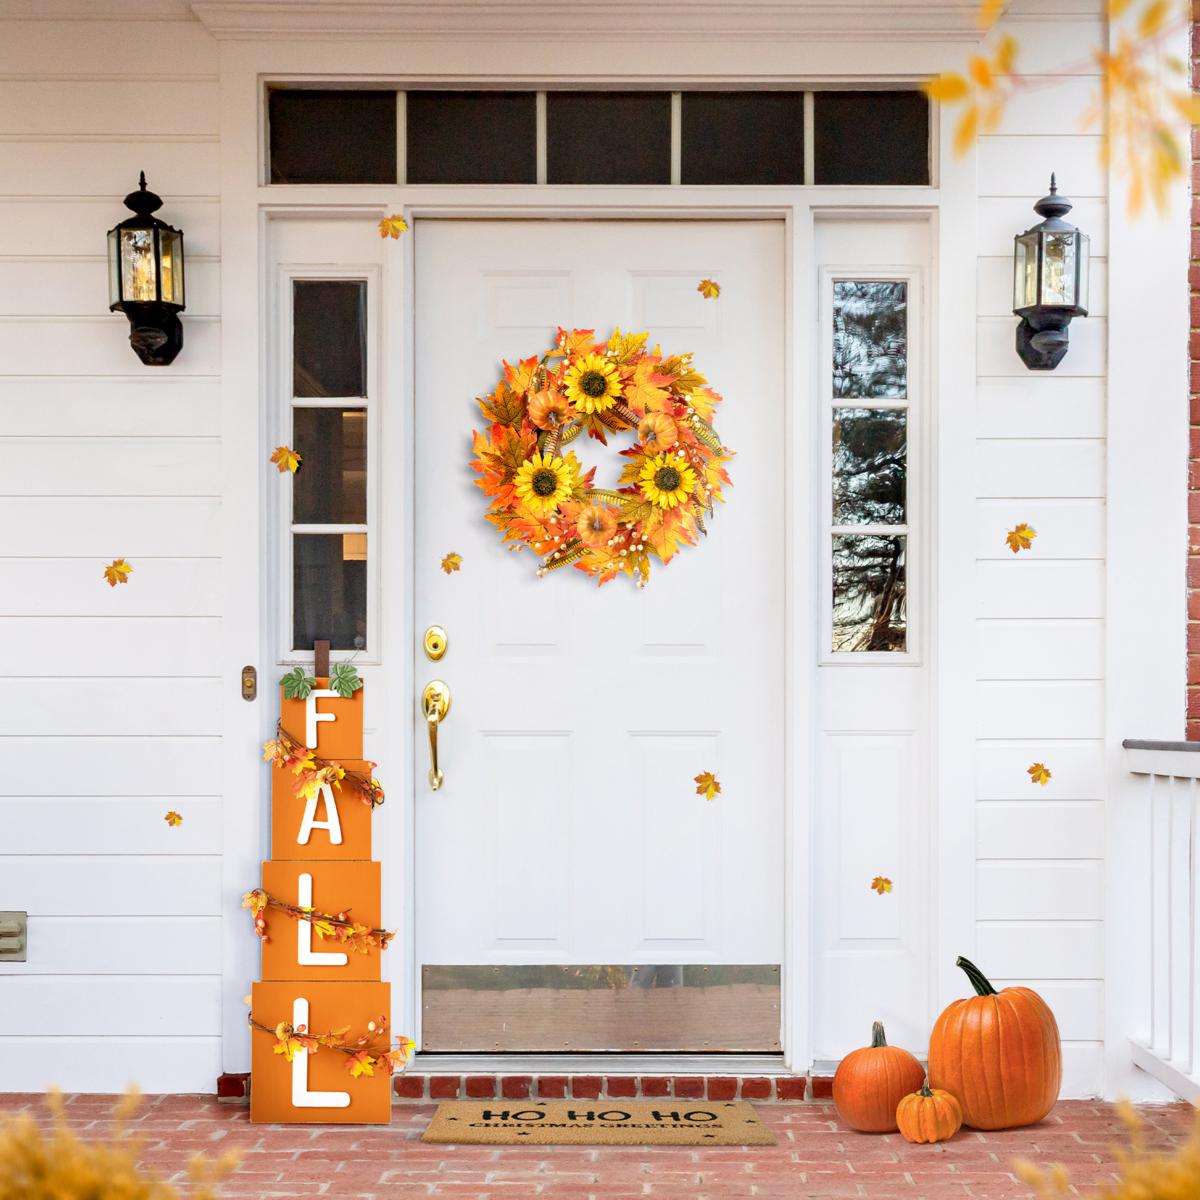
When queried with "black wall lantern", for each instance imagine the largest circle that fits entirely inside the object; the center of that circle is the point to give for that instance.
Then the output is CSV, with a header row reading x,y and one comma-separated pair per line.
x,y
145,278
1050,282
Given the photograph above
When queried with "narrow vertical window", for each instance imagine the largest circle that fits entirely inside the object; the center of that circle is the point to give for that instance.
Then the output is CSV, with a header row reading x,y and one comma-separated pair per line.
x,y
329,517
869,506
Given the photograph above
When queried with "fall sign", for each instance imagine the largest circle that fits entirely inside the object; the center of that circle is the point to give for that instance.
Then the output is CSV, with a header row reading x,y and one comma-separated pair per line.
x,y
322,1050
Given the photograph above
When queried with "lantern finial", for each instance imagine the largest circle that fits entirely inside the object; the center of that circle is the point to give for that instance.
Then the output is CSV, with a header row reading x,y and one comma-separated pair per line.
x,y
143,201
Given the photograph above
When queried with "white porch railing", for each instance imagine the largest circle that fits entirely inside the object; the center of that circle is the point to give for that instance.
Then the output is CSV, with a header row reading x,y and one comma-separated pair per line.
x,y
1170,1051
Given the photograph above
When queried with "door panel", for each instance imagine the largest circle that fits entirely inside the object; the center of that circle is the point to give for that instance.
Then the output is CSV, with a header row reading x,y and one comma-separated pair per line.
x,y
568,830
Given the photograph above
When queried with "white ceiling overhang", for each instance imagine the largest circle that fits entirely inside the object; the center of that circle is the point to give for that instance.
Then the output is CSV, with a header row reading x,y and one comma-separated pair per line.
x,y
543,21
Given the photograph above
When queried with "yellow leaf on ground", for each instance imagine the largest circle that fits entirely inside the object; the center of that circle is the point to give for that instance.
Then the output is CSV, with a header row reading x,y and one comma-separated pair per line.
x,y
1188,106
707,785
709,289
451,563
1039,773
967,128
981,71
117,571
1151,21
949,88
989,13
393,226
1020,537
286,459
881,884
173,818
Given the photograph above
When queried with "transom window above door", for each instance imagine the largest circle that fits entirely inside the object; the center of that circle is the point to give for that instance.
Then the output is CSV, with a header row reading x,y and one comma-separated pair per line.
x,y
717,138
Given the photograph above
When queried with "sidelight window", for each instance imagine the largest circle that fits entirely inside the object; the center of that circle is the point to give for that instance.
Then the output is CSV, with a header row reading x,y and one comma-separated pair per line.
x,y
869,403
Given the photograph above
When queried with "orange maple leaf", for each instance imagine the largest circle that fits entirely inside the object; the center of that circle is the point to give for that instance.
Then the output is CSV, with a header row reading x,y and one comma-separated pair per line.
x,y
519,377
709,289
393,226
451,563
287,459
1039,773
117,571
644,390
707,785
574,341
173,818
1020,537
881,884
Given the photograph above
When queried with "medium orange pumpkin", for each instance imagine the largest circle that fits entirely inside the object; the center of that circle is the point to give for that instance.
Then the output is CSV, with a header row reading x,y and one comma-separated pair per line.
x,y
870,1082
929,1115
999,1053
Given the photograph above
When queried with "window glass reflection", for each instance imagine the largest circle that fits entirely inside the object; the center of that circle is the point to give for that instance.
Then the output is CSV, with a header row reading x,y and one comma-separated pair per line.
x,y
869,466
870,339
329,590
869,593
331,485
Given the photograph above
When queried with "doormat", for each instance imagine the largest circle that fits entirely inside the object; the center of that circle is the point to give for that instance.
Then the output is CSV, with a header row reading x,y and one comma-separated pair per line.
x,y
597,1123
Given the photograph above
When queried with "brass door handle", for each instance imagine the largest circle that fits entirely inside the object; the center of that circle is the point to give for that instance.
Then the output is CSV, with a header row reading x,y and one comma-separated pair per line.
x,y
435,703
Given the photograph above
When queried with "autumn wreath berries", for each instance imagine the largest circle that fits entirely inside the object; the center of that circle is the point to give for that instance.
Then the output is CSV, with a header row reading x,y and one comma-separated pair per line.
x,y
540,496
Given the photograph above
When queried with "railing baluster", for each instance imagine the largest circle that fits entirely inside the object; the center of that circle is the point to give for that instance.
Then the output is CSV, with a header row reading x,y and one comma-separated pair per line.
x,y
1181,908
1160,808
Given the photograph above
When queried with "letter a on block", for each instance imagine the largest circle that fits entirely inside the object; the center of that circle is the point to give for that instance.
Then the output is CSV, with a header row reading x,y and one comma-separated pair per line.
x,y
312,718
332,820
301,1096
305,954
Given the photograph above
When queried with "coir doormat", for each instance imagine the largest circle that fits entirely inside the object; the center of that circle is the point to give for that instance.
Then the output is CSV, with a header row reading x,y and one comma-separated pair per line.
x,y
597,1122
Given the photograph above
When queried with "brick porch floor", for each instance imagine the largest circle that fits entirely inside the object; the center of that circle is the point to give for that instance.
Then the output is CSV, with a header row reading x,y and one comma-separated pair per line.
x,y
815,1157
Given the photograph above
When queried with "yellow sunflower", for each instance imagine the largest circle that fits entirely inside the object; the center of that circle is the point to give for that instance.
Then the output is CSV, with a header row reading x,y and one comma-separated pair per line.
x,y
592,383
544,482
666,481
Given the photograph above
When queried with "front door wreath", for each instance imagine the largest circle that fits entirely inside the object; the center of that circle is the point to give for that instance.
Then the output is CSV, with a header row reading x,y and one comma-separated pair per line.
x,y
540,497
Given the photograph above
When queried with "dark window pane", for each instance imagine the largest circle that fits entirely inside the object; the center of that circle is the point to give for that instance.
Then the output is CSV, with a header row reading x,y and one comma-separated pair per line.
x,y
471,137
743,137
329,338
870,339
868,466
871,137
608,137
332,137
329,590
868,594
331,485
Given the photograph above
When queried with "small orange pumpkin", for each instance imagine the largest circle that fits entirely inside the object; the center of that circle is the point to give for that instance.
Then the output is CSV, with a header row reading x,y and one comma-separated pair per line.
x,y
929,1115
999,1053
871,1082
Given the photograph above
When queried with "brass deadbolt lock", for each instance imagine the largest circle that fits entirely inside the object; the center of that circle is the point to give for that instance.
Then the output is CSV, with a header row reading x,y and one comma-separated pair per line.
x,y
435,642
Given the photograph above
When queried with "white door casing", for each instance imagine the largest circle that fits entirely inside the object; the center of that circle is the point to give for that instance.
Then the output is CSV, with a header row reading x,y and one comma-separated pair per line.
x,y
568,829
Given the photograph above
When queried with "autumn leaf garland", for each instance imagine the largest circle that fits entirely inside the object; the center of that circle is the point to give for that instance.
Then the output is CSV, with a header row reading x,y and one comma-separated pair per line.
x,y
336,927
363,1054
312,773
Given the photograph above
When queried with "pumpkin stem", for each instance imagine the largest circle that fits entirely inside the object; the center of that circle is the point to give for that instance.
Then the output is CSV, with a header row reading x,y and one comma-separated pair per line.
x,y
878,1037
976,976
923,1090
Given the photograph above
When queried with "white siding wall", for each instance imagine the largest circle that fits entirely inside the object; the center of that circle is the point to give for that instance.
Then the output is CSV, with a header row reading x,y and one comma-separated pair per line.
x,y
109,697
1040,662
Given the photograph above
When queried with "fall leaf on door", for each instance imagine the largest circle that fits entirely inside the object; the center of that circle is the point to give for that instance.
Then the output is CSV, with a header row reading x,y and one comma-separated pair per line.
x,y
117,571
451,563
881,884
709,289
707,785
1039,773
286,459
1020,537
393,226
173,818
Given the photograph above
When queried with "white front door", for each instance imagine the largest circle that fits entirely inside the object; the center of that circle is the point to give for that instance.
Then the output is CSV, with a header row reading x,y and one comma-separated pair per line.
x,y
568,836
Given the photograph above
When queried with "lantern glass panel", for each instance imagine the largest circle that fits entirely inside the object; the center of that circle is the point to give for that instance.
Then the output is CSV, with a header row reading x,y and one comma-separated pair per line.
x,y
1058,269
1025,271
1084,252
114,271
138,281
171,244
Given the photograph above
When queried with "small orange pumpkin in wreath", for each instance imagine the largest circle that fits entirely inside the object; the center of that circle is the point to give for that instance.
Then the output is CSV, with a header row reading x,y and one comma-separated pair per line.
x,y
929,1115
870,1083
540,496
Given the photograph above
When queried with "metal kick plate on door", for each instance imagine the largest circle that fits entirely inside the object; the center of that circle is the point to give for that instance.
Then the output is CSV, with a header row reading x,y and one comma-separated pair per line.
x,y
698,1007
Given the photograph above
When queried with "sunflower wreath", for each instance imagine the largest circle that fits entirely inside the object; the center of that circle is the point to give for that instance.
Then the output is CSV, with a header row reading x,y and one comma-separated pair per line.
x,y
540,497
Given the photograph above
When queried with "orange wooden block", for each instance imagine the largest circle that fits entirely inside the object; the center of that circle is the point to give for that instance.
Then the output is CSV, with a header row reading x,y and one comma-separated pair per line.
x,y
331,887
341,737
288,826
283,1092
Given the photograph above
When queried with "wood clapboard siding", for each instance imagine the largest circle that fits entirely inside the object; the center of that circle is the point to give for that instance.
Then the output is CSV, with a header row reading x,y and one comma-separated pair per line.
x,y
110,709
1041,459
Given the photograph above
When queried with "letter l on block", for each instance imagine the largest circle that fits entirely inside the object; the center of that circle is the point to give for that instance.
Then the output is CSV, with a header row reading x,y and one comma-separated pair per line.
x,y
301,1096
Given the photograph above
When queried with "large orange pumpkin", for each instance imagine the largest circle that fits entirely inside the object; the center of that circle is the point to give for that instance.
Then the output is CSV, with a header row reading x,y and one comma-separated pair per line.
x,y
929,1115
871,1082
998,1053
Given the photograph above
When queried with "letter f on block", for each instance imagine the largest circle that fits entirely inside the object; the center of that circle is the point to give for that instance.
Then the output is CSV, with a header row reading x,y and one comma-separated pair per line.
x,y
312,718
301,1096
